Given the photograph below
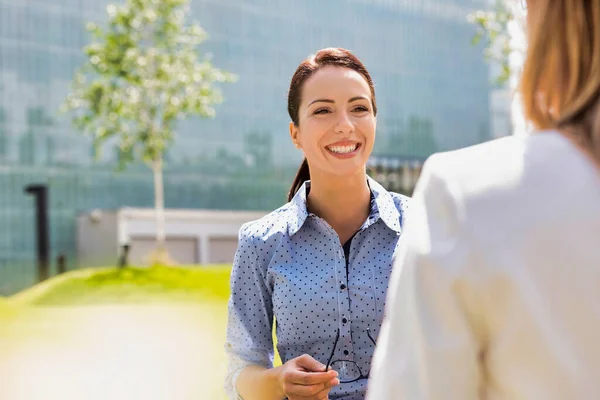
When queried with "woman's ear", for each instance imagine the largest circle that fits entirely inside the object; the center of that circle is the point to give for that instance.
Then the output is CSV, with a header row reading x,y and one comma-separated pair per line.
x,y
294,134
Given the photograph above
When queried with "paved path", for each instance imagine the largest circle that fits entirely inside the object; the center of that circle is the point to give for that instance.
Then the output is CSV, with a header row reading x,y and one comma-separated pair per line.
x,y
113,352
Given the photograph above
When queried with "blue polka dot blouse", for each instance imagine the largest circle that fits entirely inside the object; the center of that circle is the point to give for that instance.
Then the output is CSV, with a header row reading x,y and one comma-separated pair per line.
x,y
291,266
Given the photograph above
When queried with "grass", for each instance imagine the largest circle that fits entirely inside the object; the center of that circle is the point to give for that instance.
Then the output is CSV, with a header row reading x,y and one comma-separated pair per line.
x,y
7,309
131,286
74,316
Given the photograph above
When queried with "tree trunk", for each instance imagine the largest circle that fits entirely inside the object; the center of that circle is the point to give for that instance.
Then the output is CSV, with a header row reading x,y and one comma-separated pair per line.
x,y
159,203
160,255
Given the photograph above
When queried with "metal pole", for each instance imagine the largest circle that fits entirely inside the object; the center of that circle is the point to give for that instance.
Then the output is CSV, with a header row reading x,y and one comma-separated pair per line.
x,y
41,196
61,264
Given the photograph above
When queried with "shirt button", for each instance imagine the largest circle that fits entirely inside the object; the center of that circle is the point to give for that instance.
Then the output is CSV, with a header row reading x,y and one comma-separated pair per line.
x,y
342,286
346,352
344,320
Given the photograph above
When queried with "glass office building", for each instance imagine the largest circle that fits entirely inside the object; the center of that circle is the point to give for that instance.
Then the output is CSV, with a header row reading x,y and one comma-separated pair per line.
x,y
432,87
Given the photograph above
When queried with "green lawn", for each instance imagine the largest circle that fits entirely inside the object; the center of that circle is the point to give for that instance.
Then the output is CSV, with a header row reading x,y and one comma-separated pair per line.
x,y
111,330
130,285
7,309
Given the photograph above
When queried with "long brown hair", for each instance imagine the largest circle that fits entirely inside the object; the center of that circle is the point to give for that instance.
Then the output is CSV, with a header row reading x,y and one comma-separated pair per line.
x,y
336,57
560,85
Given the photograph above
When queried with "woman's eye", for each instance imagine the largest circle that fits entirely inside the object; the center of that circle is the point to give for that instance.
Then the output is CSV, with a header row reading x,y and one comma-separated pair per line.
x,y
321,111
361,109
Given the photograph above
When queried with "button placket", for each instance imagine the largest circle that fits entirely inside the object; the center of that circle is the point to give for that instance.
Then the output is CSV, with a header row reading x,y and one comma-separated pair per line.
x,y
347,342
343,302
345,321
343,296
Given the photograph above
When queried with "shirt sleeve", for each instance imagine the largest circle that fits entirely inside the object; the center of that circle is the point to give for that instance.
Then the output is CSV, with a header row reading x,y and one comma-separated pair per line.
x,y
250,314
431,339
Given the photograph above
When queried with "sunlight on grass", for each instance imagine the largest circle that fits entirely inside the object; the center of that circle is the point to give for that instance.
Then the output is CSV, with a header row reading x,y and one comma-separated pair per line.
x,y
143,333
7,309
130,285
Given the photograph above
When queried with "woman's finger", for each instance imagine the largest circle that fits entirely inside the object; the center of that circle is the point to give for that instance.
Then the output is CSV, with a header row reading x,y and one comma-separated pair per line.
x,y
309,378
316,391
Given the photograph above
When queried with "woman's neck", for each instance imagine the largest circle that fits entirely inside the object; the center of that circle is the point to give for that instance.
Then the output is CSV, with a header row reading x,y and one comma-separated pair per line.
x,y
344,202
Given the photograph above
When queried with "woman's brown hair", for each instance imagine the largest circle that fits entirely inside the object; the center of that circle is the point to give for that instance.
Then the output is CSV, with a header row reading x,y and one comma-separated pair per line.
x,y
560,85
327,57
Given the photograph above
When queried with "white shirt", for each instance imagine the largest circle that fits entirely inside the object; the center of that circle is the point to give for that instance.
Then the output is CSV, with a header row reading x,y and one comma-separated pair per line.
x,y
495,293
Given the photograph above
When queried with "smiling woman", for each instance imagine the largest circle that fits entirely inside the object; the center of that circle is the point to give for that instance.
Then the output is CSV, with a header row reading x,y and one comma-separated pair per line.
x,y
319,265
336,78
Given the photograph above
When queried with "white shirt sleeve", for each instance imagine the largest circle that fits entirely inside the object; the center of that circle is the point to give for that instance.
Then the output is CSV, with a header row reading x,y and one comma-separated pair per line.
x,y
431,342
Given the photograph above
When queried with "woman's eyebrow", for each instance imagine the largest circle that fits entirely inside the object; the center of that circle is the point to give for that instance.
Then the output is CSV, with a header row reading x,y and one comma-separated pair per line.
x,y
356,98
322,100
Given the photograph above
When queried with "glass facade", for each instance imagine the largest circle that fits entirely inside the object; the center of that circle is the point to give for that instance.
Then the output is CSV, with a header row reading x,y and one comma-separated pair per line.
x,y
432,91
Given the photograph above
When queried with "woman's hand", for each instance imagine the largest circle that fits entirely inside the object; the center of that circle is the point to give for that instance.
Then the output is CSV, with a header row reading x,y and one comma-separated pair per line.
x,y
303,378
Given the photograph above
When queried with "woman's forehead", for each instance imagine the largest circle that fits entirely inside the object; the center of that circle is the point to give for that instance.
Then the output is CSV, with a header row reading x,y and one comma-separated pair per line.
x,y
333,83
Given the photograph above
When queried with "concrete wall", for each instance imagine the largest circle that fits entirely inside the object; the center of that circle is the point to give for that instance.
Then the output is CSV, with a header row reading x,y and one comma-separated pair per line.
x,y
200,236
97,243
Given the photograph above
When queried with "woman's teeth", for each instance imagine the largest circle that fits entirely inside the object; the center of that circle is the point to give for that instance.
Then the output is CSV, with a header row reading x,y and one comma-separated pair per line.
x,y
343,149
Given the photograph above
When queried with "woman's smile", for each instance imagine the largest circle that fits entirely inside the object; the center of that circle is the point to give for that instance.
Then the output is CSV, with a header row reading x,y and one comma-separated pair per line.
x,y
343,150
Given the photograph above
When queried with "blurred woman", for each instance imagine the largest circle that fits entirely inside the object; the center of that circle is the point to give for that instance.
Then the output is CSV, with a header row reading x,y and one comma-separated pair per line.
x,y
496,290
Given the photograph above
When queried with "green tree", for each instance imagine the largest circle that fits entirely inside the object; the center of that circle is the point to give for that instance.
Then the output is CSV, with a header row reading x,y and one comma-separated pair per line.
x,y
493,30
143,73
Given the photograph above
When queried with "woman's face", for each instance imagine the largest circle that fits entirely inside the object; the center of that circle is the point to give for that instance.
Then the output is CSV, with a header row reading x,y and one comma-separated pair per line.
x,y
336,128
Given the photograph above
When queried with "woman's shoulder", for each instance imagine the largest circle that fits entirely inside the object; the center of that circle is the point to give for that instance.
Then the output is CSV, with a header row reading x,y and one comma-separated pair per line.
x,y
518,176
471,175
504,165
274,224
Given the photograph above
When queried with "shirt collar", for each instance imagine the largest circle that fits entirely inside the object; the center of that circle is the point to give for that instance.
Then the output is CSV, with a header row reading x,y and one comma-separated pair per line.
x,y
298,209
382,207
386,207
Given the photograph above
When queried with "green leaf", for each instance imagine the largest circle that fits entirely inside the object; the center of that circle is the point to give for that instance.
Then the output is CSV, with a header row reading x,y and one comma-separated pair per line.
x,y
493,27
142,75
476,39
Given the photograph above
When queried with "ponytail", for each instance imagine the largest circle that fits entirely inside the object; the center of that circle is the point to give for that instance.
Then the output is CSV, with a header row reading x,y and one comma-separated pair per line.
x,y
302,176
